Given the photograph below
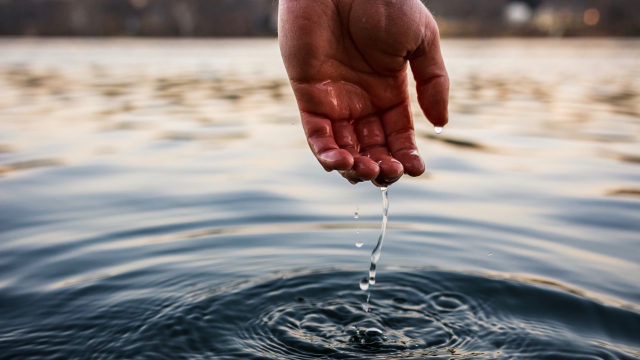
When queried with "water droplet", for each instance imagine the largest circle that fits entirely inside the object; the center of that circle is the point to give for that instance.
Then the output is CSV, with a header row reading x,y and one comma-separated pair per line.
x,y
438,130
359,244
355,215
490,254
364,284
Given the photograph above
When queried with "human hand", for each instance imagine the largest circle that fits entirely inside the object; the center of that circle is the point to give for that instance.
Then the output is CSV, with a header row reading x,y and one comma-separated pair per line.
x,y
347,63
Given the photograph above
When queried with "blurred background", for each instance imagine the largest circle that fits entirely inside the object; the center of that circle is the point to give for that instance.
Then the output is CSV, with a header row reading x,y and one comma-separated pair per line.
x,y
203,18
151,152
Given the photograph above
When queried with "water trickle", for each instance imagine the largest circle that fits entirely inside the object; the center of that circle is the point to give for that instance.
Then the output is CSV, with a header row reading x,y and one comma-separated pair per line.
x,y
438,130
375,255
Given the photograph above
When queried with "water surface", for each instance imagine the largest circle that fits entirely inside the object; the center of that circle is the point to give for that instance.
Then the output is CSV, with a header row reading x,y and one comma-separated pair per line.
x,y
158,200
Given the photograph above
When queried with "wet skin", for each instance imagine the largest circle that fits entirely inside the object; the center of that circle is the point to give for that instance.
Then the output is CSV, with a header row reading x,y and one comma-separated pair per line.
x,y
347,63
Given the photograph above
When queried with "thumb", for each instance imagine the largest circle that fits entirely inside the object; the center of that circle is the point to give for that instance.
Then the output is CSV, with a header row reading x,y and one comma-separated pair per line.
x,y
432,81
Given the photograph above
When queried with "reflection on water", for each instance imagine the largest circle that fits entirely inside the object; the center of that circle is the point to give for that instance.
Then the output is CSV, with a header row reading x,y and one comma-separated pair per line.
x,y
157,199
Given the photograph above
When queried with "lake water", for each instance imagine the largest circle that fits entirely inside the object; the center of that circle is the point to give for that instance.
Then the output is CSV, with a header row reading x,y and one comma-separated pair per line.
x,y
158,201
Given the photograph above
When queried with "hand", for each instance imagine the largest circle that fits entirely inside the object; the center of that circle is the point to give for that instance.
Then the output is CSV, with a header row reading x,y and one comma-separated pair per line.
x,y
347,63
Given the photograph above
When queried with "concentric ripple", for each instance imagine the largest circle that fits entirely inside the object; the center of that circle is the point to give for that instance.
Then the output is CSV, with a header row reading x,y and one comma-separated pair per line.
x,y
421,314
413,315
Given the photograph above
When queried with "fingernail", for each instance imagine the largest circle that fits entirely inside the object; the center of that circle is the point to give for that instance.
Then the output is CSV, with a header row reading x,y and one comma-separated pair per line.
x,y
329,155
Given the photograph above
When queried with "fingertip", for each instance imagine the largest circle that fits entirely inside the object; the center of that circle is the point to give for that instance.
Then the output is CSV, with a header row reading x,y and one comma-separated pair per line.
x,y
365,168
382,182
349,175
437,112
336,159
439,121
391,168
412,162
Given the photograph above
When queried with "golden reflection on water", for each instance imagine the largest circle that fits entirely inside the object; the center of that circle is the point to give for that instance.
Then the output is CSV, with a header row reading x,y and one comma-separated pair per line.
x,y
162,102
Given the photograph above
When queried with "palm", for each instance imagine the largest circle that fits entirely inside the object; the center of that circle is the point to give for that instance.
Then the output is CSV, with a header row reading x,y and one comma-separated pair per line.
x,y
348,71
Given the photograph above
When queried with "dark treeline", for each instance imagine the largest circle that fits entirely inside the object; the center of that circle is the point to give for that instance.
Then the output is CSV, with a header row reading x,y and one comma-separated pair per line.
x,y
259,17
537,17
138,17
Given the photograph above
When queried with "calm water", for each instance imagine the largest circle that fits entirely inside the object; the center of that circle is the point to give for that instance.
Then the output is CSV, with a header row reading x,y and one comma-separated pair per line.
x,y
158,201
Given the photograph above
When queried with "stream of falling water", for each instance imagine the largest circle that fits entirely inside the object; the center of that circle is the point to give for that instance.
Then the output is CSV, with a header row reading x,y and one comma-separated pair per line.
x,y
375,255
